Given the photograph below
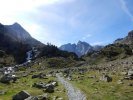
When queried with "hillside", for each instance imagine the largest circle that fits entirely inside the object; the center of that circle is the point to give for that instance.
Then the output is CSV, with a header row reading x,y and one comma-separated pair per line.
x,y
120,49
126,40
16,41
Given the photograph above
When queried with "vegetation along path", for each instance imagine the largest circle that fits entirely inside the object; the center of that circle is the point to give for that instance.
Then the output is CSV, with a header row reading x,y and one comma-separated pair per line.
x,y
73,93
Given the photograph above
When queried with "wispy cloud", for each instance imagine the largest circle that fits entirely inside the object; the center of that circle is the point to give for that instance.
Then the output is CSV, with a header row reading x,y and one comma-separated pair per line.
x,y
98,43
125,9
86,37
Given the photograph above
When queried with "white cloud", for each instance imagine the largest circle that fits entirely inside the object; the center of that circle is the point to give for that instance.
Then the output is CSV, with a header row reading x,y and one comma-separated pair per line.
x,y
22,11
125,9
10,10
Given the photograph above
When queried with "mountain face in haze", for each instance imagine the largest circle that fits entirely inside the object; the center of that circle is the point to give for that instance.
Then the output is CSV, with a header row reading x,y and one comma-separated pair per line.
x,y
16,41
80,48
127,40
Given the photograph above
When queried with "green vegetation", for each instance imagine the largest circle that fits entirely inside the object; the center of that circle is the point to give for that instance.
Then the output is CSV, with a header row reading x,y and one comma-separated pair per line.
x,y
98,90
59,62
52,51
25,83
5,59
109,53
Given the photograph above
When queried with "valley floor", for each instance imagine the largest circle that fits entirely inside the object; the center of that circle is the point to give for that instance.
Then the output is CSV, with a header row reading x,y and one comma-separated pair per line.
x,y
107,81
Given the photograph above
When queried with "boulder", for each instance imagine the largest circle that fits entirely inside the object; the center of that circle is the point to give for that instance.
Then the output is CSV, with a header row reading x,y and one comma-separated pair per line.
x,y
50,89
119,82
129,75
130,84
130,72
92,76
39,85
54,83
2,92
22,95
32,98
43,97
105,78
8,78
123,73
40,75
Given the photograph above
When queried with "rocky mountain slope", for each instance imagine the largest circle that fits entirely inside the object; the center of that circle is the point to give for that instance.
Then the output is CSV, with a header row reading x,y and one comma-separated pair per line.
x,y
80,48
126,40
18,34
16,41
120,49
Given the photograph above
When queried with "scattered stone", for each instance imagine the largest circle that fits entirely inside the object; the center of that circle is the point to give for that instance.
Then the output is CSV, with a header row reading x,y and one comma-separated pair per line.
x,y
92,83
92,76
40,75
119,82
106,78
8,78
60,99
43,97
39,85
2,92
32,98
50,89
69,78
24,75
21,95
130,84
123,73
129,75
55,97
54,84
42,85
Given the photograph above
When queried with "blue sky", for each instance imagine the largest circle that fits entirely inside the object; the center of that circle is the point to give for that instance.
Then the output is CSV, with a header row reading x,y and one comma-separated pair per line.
x,y
68,21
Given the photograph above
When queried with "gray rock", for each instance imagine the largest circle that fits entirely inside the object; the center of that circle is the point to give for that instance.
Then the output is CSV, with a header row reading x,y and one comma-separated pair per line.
x,y
105,78
129,75
123,73
40,75
54,83
39,85
8,78
92,76
119,82
43,97
2,92
130,84
130,72
32,98
50,89
21,95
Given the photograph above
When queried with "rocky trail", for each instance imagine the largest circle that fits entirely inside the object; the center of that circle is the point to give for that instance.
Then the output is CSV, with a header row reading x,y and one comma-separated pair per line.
x,y
72,92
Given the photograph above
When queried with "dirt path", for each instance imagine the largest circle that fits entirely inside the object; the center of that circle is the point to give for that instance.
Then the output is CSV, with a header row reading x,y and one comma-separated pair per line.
x,y
72,92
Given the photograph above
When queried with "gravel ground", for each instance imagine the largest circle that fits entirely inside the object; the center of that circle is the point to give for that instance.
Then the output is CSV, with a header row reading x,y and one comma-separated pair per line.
x,y
72,92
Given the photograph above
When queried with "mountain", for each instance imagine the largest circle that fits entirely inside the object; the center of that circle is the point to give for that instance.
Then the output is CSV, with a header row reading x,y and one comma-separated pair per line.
x,y
120,49
127,40
17,33
16,41
80,48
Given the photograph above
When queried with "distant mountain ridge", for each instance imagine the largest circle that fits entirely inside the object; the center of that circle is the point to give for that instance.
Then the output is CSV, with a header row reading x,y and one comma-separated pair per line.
x,y
80,48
